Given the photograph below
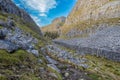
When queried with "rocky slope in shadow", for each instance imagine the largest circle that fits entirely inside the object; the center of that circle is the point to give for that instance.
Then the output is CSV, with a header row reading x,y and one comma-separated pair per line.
x,y
7,6
20,57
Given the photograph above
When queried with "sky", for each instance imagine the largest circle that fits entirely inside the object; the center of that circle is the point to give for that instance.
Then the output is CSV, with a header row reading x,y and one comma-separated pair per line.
x,y
44,11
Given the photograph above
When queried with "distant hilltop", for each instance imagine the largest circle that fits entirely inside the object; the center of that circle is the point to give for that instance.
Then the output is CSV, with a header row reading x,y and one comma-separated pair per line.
x,y
55,25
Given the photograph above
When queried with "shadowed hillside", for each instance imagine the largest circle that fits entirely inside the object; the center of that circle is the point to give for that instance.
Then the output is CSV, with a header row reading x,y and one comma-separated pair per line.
x,y
7,6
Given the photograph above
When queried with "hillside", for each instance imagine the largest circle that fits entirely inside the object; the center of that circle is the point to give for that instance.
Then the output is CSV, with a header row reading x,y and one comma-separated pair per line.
x,y
19,44
89,16
7,6
55,25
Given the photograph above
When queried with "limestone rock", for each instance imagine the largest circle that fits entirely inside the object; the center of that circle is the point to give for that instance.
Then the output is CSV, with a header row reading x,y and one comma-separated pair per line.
x,y
89,16
13,38
10,47
54,67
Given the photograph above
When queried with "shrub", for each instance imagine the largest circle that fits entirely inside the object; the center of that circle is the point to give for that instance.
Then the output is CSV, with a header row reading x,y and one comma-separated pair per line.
x,y
51,35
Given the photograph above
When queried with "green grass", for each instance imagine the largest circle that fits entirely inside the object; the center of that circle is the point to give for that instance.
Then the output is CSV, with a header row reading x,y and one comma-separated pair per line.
x,y
18,57
8,59
29,77
107,69
94,76
3,78
2,17
58,74
9,62
1,27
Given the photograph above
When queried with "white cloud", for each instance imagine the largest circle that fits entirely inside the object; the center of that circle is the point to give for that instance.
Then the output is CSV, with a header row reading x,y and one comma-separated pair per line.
x,y
43,6
43,14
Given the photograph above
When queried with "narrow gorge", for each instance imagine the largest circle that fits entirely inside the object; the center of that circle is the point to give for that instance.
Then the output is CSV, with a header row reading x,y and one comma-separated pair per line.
x,y
81,46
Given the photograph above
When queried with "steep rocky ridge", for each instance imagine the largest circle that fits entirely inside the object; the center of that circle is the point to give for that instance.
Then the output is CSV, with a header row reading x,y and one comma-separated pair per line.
x,y
89,16
7,6
19,44
55,25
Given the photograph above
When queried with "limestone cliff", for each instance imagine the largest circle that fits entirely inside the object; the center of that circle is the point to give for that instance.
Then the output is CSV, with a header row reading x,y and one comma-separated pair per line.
x,y
89,16
95,24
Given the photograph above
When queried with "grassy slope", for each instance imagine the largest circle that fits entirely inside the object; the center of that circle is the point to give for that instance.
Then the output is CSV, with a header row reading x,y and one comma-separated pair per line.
x,y
10,63
49,28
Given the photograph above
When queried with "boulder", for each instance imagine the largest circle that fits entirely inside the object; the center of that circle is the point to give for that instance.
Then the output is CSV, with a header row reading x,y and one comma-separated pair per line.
x,y
10,47
10,23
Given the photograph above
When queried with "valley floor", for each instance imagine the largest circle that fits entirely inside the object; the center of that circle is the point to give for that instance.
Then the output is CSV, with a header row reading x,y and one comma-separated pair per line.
x,y
74,66
56,62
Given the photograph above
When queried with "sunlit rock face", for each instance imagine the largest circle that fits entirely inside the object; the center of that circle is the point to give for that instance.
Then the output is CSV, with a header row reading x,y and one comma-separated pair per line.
x,y
55,25
93,27
89,16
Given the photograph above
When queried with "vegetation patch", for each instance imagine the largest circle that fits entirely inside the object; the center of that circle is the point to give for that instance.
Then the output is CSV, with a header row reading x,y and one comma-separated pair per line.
x,y
51,35
108,70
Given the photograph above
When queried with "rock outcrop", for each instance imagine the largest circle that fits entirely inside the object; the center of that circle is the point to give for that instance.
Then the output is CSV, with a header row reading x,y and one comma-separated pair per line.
x,y
13,38
7,6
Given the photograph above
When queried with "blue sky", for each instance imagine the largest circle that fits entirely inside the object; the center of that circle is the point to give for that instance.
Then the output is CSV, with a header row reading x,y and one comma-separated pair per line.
x,y
44,11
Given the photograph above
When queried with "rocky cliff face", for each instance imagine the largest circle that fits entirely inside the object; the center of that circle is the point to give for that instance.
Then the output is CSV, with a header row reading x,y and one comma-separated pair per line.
x,y
55,25
96,25
89,16
7,6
